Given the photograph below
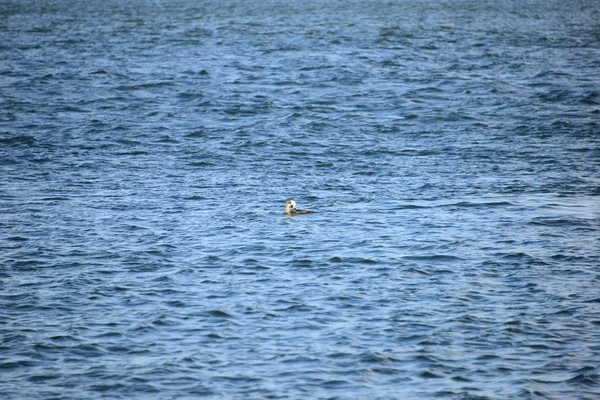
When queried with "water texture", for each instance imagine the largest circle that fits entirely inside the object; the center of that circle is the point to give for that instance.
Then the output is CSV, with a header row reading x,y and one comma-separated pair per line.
x,y
451,150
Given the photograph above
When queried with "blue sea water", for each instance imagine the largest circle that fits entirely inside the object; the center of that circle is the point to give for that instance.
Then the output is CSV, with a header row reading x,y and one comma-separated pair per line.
x,y
450,149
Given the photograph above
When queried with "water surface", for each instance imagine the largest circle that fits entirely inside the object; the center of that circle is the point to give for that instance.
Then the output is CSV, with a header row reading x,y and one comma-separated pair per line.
x,y
451,151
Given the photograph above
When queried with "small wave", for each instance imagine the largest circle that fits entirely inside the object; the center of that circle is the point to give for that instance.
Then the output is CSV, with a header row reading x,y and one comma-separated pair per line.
x,y
560,222
17,239
585,376
150,85
18,364
411,207
584,379
551,74
42,378
195,198
591,98
190,96
378,358
176,304
595,300
220,314
555,96
20,140
469,204
56,198
434,257
198,133
73,109
133,153
353,260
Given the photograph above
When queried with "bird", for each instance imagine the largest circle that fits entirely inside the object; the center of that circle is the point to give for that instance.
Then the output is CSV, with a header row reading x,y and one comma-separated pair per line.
x,y
290,209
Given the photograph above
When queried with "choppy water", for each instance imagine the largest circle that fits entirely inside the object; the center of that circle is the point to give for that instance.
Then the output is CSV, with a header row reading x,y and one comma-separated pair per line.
x,y
450,148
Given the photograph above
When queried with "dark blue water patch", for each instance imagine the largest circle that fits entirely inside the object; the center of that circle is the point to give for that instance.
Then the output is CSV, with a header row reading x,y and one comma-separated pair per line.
x,y
597,300
17,239
18,140
146,86
568,222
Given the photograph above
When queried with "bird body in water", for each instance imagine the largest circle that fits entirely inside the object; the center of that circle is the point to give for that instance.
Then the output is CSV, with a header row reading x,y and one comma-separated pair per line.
x,y
290,209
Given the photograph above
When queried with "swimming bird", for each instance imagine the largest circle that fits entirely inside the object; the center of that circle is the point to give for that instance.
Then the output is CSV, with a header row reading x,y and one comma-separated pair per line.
x,y
290,209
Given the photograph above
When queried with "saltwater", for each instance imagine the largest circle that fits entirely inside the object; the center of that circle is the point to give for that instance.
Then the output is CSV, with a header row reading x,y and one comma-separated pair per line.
x,y
450,149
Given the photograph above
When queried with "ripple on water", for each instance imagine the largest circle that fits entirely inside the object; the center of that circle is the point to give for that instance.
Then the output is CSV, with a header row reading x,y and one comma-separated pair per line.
x,y
147,153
